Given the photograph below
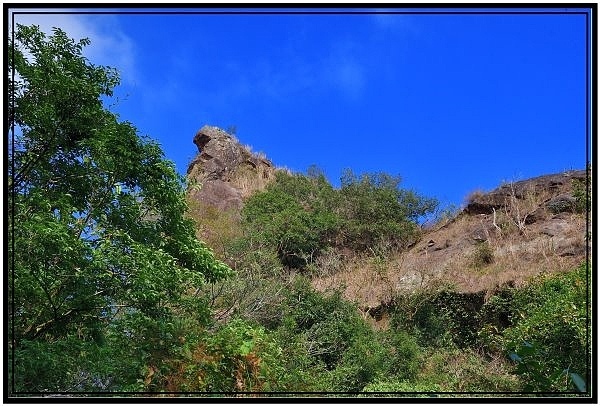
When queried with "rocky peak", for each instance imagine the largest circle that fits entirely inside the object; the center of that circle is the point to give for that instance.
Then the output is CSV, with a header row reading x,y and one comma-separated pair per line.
x,y
225,170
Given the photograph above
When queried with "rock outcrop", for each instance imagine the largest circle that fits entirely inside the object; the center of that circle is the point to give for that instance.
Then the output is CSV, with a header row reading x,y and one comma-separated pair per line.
x,y
530,226
225,171
550,185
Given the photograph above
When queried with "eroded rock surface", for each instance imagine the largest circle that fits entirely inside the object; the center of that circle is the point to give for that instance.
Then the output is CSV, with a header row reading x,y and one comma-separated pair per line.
x,y
225,171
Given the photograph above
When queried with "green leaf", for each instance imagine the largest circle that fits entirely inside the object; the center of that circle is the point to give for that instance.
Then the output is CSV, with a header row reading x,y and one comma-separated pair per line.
x,y
246,347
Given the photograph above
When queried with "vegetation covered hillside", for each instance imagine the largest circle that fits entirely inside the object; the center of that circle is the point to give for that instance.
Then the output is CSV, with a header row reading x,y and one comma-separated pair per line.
x,y
248,280
454,288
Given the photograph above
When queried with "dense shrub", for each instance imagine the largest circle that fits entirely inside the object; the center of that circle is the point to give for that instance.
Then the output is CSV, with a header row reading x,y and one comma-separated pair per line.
x,y
439,318
301,216
340,344
465,370
553,314
328,322
292,216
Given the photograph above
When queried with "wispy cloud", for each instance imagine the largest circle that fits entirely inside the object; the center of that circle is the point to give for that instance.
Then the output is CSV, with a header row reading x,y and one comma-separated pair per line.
x,y
340,73
109,44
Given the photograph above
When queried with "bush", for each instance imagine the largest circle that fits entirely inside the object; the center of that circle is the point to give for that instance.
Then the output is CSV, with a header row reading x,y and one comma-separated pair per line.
x,y
553,318
439,318
483,255
374,209
328,323
301,216
364,361
291,215
417,314
375,356
465,370
235,357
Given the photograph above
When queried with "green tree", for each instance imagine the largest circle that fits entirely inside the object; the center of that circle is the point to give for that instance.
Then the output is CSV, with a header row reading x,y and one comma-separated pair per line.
x,y
99,245
303,215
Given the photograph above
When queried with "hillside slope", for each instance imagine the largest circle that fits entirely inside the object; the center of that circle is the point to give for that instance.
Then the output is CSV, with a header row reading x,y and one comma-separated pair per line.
x,y
505,236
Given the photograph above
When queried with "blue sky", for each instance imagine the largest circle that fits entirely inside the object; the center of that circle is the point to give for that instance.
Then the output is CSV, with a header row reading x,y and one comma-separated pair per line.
x,y
450,102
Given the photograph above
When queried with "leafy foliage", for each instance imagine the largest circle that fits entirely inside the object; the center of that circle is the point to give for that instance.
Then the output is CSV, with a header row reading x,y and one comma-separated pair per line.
x,y
293,215
465,370
375,209
328,322
552,317
304,215
529,366
439,317
97,217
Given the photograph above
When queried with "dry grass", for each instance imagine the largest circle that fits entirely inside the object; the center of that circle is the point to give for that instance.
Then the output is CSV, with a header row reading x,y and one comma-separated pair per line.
x,y
249,180
517,258
520,206
363,280
215,227
474,195
446,256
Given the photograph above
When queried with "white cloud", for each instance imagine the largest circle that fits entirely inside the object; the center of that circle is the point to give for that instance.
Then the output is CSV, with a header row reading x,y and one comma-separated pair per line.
x,y
109,46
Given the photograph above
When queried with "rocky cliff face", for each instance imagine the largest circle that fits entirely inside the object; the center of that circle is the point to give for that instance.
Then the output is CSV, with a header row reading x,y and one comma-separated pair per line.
x,y
226,171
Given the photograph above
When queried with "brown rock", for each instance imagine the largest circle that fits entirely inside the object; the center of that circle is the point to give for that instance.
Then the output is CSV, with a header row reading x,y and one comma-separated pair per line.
x,y
219,194
481,234
555,184
223,167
